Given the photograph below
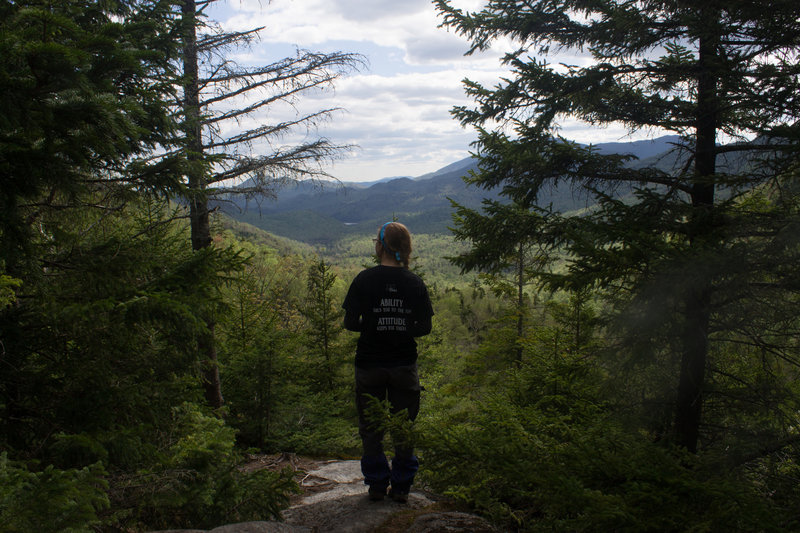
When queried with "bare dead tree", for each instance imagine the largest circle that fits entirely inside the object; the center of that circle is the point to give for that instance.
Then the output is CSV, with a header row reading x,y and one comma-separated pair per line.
x,y
219,93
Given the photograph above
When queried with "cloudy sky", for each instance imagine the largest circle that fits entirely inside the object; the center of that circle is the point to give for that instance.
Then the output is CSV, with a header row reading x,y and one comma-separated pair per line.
x,y
397,108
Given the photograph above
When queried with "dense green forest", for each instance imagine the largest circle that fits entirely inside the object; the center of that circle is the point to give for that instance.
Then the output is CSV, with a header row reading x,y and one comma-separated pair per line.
x,y
631,367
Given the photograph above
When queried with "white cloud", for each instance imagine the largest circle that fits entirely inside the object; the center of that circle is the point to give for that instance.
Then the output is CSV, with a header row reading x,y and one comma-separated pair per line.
x,y
397,111
312,22
376,11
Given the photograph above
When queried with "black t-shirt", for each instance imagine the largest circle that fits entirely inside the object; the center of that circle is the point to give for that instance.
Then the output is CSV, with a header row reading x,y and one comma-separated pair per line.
x,y
392,303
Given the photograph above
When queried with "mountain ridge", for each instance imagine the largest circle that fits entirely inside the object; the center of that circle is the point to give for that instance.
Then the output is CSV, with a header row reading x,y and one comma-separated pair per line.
x,y
315,214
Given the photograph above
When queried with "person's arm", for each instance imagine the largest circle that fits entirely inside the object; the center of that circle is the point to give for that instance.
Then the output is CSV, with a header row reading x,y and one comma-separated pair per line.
x,y
352,320
352,308
421,327
421,324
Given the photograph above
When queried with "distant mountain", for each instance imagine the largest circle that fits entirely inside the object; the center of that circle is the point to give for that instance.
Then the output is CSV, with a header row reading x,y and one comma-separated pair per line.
x,y
365,184
323,214
641,149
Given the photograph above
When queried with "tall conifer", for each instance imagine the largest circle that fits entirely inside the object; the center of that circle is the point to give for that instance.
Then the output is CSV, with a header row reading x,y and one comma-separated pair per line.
x,y
325,323
217,93
689,249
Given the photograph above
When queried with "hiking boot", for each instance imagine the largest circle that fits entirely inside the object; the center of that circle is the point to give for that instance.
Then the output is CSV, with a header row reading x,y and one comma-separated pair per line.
x,y
397,496
376,494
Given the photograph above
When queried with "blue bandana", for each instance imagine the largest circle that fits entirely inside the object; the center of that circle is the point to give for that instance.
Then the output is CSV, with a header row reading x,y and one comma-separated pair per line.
x,y
383,243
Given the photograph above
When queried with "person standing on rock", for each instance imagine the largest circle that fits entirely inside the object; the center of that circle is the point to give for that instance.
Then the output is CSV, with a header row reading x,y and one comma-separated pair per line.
x,y
389,306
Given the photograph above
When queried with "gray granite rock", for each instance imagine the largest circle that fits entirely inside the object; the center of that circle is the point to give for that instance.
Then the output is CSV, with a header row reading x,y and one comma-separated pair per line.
x,y
261,527
450,522
350,514
336,502
247,527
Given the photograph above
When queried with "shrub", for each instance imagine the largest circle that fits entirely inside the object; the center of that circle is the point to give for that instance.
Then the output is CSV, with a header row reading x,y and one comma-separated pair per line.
x,y
544,455
50,500
199,483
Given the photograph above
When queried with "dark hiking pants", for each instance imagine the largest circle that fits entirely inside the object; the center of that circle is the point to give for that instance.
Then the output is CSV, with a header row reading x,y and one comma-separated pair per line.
x,y
400,385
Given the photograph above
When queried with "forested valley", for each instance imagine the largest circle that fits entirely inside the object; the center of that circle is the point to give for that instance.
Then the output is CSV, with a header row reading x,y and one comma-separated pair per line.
x,y
629,366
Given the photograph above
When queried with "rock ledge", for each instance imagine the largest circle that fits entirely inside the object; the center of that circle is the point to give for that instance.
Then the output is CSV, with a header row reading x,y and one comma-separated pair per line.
x,y
335,501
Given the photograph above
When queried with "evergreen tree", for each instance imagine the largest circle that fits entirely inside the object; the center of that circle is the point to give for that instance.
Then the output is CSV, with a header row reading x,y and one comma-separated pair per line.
x,y
687,254
218,161
85,86
99,286
516,252
258,336
324,318
85,102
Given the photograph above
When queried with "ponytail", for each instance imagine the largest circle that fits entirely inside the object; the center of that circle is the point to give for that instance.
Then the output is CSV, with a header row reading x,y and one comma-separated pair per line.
x,y
396,240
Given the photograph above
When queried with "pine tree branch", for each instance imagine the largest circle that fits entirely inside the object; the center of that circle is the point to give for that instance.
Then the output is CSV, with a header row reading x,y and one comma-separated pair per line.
x,y
213,42
213,119
289,69
159,223
267,131
767,450
315,80
293,163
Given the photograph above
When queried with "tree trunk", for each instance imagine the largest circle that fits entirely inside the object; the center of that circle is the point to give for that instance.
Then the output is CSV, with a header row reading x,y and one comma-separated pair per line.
x,y
697,301
520,301
693,363
198,202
